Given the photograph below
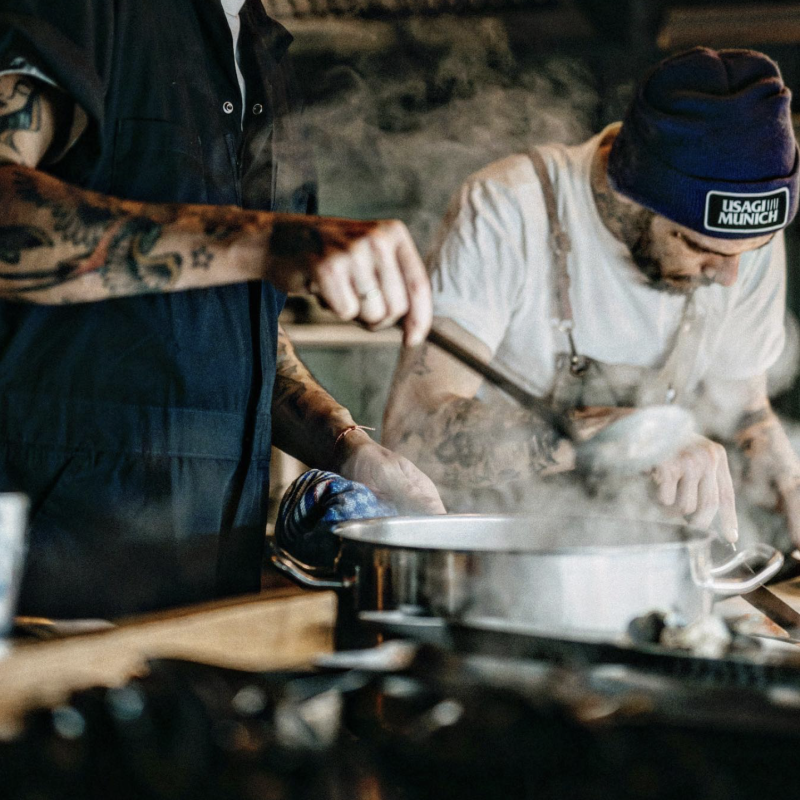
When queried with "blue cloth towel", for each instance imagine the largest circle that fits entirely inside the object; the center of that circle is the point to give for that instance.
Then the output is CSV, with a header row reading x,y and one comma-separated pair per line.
x,y
315,503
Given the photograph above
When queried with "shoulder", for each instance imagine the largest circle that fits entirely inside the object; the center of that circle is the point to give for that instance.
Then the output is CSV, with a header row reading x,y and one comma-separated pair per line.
x,y
507,173
506,191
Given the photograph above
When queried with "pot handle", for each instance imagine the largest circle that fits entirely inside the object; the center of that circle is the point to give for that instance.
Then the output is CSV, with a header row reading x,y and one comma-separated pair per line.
x,y
305,575
756,552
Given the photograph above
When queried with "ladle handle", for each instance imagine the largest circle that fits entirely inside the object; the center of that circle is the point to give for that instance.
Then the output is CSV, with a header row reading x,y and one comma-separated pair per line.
x,y
502,380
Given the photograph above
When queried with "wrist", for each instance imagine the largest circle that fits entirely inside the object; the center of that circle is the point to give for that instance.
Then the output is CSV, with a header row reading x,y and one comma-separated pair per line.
x,y
348,440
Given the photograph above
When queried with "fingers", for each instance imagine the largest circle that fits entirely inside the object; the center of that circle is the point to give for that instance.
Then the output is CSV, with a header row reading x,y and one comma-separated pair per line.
x,y
387,281
372,304
421,495
405,486
377,277
666,477
333,284
393,478
697,483
707,501
729,523
420,305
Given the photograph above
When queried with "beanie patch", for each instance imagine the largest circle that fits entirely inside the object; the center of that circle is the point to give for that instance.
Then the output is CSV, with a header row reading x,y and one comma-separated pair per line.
x,y
747,213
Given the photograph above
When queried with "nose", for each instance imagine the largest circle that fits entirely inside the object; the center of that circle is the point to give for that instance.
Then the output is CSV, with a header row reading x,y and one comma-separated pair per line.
x,y
723,270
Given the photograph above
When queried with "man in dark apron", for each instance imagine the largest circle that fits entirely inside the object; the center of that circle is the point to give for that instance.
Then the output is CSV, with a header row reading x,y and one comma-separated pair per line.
x,y
140,426
644,266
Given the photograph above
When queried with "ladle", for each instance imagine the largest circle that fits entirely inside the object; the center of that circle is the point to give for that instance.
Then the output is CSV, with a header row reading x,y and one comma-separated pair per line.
x,y
636,443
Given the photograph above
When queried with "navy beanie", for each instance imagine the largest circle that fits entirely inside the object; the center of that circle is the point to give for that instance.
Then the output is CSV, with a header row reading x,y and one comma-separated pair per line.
x,y
708,143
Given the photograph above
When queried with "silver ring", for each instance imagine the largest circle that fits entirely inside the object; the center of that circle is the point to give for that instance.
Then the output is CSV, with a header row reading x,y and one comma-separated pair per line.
x,y
365,297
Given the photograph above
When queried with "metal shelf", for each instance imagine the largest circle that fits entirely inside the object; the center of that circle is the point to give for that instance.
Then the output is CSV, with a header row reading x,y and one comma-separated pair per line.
x,y
730,26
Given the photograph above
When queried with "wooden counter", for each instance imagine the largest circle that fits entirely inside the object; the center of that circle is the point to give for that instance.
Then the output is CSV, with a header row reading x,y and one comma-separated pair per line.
x,y
278,629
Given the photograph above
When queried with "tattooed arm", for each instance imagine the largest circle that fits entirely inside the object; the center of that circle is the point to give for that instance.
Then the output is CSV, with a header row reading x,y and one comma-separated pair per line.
x,y
771,467
434,418
62,244
307,422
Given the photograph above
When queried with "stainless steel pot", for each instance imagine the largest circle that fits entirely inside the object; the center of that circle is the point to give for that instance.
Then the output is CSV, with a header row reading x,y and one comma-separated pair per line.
x,y
550,574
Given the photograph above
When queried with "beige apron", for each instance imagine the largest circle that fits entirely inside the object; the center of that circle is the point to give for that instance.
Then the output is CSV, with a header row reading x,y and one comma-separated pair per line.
x,y
582,381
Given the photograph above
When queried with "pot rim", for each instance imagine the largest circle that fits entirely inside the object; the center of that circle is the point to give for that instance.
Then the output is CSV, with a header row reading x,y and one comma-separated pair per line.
x,y
523,534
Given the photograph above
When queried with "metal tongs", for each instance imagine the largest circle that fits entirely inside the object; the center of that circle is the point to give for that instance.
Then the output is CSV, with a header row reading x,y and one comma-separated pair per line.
x,y
636,443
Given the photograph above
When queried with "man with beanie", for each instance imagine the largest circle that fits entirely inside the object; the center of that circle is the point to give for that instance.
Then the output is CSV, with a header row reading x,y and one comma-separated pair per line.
x,y
645,266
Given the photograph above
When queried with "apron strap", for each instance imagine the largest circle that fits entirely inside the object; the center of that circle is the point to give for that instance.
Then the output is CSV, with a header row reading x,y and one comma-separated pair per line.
x,y
560,247
669,383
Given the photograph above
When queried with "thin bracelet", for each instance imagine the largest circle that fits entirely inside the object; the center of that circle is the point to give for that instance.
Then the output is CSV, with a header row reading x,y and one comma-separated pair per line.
x,y
350,430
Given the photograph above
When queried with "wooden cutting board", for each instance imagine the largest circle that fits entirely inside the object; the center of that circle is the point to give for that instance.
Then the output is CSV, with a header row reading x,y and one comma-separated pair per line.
x,y
278,629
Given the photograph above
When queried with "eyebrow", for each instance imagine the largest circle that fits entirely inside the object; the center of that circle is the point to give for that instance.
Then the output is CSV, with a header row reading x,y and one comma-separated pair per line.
x,y
698,248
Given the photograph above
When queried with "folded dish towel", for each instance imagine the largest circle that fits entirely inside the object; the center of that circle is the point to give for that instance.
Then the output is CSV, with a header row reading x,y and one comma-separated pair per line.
x,y
313,505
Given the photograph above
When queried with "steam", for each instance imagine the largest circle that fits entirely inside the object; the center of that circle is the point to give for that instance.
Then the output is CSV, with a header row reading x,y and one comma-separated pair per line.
x,y
398,140
400,144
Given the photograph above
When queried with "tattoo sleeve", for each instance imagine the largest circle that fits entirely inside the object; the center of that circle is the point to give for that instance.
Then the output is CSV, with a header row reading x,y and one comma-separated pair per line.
x,y
306,419
465,442
20,110
770,460
63,244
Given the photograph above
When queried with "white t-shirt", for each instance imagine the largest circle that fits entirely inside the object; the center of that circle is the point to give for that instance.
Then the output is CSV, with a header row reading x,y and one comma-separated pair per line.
x,y
232,10
491,269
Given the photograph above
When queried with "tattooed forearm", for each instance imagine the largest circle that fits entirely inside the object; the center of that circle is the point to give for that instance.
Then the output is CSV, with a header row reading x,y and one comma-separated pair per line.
x,y
16,239
466,443
750,423
202,258
115,247
770,457
306,419
101,247
56,237
419,364
20,110
434,418
64,244
293,381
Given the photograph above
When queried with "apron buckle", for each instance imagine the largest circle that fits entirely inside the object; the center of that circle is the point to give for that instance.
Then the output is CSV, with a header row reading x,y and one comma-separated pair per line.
x,y
578,365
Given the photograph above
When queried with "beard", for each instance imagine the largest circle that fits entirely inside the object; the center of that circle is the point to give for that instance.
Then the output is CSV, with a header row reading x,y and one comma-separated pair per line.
x,y
652,270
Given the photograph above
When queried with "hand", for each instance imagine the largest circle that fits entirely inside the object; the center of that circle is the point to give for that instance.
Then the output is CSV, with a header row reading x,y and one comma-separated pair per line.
x,y
697,482
368,271
392,477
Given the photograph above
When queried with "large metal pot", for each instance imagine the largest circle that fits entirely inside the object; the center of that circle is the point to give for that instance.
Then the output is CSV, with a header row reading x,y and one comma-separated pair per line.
x,y
551,574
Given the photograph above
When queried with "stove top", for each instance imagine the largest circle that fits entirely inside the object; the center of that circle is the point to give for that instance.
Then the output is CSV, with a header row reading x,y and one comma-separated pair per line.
x,y
435,724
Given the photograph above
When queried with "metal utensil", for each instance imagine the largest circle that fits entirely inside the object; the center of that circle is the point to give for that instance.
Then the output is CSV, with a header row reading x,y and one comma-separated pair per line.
x,y
633,444
768,603
775,609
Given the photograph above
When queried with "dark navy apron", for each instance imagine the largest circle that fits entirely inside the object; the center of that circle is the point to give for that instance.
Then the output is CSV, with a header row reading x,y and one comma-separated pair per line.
x,y
140,427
